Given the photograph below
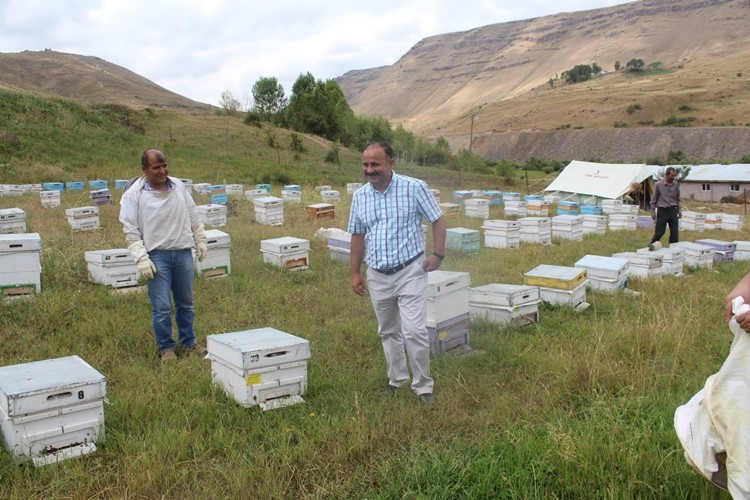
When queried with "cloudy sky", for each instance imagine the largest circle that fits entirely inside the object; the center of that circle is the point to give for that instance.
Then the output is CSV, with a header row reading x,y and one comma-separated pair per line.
x,y
199,48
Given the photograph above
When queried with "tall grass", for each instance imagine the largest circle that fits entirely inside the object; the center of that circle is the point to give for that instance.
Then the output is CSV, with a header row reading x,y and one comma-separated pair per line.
x,y
579,405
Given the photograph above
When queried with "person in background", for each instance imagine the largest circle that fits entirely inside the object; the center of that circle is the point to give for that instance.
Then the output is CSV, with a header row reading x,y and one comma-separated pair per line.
x,y
161,225
386,226
665,209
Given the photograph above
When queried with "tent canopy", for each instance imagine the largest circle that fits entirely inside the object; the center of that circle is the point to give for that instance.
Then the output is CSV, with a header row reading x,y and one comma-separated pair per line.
x,y
608,181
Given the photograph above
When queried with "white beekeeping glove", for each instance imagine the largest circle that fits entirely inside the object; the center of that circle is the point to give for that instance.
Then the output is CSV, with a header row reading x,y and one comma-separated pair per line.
x,y
146,268
202,250
199,237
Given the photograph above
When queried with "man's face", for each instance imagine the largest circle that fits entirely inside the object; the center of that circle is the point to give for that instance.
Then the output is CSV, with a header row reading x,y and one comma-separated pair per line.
x,y
156,170
671,176
377,167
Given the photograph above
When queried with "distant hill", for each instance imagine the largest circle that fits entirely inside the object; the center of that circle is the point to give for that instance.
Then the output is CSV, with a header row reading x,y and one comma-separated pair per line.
x,y
86,79
506,74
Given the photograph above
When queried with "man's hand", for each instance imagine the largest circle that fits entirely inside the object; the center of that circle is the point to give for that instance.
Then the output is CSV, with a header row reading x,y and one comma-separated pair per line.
x,y
146,269
202,249
358,284
431,263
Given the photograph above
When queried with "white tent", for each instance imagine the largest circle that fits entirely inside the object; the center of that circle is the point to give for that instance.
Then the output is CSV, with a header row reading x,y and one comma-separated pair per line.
x,y
586,182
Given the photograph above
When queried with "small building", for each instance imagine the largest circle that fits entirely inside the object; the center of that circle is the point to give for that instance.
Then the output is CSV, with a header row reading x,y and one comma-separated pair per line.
x,y
711,182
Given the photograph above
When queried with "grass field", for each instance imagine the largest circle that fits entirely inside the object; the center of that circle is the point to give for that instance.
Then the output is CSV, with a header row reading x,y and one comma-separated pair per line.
x,y
579,405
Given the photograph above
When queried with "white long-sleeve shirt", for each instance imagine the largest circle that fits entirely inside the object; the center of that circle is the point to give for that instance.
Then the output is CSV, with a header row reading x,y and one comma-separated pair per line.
x,y
163,220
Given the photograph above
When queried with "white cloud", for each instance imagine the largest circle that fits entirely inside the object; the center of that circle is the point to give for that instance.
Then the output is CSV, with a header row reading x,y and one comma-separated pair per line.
x,y
198,48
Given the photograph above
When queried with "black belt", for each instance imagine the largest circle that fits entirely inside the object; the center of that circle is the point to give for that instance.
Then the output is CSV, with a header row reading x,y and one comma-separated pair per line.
x,y
393,270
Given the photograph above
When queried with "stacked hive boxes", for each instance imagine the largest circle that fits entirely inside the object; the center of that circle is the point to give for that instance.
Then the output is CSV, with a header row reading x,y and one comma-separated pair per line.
x,y
644,221
188,183
569,227
494,197
673,260
50,198
264,366
291,195
323,188
590,210
460,197
121,183
559,285
329,195
13,220
213,215
626,208
217,263
501,233
742,250
266,187
351,187
447,310
565,207
643,264
606,274
269,210
51,410
450,209
217,195
321,211
287,252
594,224
535,230
732,222
693,221
339,247
696,255
611,206
462,239
20,265
713,221
723,250
114,268
622,222
101,196
251,194
537,206
234,189
513,206
201,187
477,208
498,303
83,218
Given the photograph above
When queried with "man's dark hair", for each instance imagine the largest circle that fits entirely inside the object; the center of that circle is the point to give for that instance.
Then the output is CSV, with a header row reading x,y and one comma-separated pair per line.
x,y
670,170
144,156
383,144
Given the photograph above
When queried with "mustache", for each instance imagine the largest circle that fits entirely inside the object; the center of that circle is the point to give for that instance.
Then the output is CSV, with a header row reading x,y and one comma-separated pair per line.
x,y
372,174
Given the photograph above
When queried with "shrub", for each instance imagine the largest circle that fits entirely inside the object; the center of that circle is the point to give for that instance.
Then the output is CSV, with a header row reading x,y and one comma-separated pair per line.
x,y
633,108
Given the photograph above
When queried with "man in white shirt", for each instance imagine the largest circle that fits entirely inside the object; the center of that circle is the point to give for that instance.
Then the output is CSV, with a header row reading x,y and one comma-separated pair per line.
x,y
161,226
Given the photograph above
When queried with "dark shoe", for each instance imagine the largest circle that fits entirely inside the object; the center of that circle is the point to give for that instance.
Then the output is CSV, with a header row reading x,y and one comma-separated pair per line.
x,y
388,390
651,247
427,398
168,355
198,349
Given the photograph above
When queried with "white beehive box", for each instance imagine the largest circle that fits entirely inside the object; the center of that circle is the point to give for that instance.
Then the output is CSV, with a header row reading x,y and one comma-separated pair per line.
x,y
447,296
575,298
20,264
329,195
698,256
673,260
83,218
50,198
212,214
218,257
449,334
251,194
611,206
604,268
286,244
234,189
115,268
522,315
264,366
732,222
287,252
567,227
643,264
324,187
511,296
291,195
12,220
535,230
51,410
450,209
351,187
268,205
594,224
743,250
477,208
560,277
623,222
501,233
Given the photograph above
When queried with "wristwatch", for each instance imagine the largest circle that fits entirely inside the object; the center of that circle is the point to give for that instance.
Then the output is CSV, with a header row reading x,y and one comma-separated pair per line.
x,y
438,255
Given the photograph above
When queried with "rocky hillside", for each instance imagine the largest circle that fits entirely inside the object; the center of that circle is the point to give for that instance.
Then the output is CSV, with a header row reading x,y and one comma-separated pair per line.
x,y
507,76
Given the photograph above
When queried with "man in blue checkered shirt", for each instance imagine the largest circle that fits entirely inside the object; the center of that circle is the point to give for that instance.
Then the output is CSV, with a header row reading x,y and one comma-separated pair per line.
x,y
386,227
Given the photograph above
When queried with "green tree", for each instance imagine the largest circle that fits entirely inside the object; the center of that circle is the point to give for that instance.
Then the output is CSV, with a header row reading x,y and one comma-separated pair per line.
x,y
269,99
320,108
617,65
595,68
635,65
403,144
579,73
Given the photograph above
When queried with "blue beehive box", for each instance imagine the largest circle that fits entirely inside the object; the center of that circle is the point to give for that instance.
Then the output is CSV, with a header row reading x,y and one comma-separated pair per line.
x,y
98,184
462,239
591,210
292,187
120,184
53,186
567,207
495,197
460,196
74,186
267,187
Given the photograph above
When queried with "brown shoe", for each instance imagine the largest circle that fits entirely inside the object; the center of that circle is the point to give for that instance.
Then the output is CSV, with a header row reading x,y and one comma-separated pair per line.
x,y
198,349
168,355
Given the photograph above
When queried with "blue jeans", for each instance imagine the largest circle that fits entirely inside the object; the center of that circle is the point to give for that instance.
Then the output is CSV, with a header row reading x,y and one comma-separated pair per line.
x,y
174,278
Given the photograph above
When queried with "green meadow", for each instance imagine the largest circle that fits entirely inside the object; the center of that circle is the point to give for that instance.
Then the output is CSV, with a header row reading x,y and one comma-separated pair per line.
x,y
579,405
